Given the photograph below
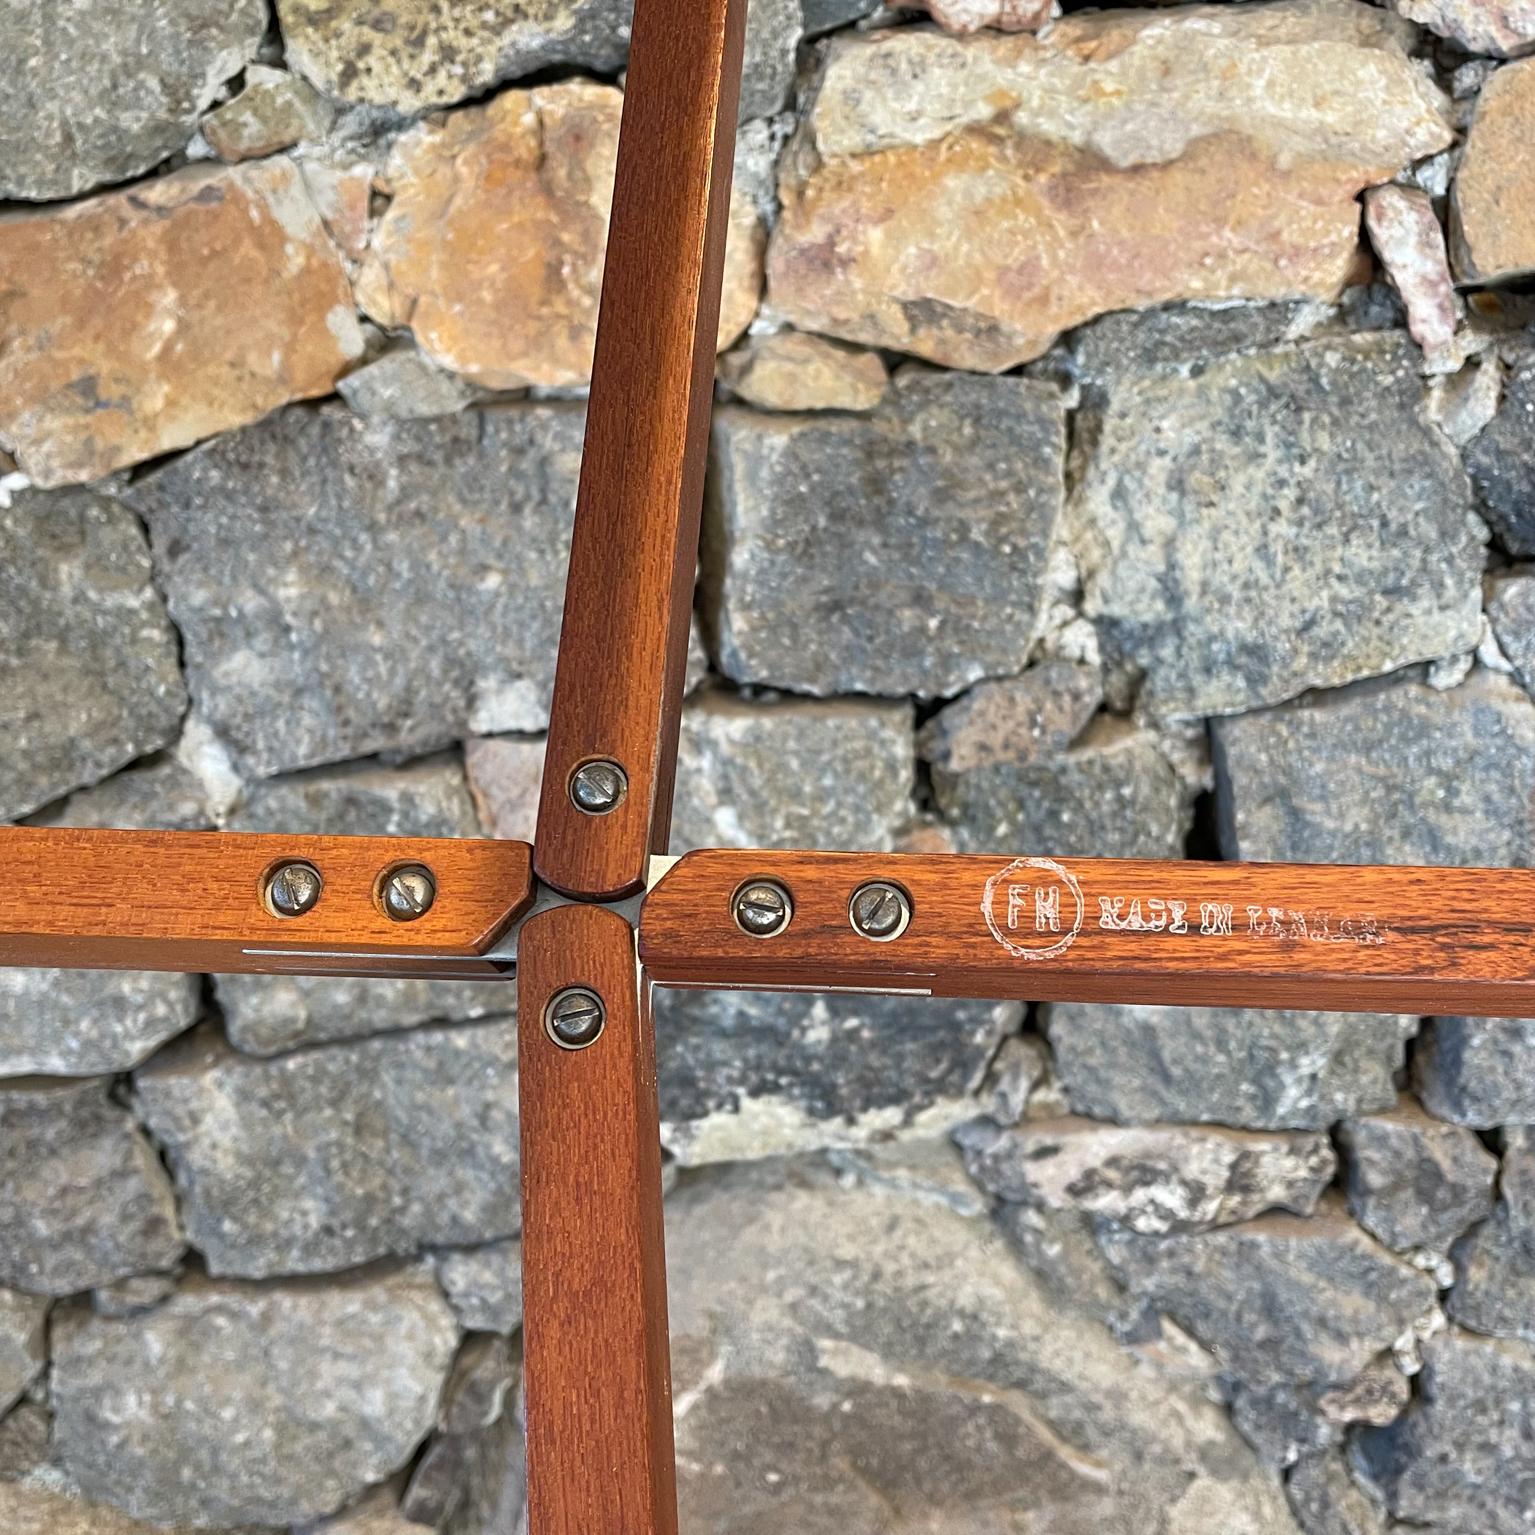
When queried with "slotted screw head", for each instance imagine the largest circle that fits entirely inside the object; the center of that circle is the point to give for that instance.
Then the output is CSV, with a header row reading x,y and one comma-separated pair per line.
x,y
574,1017
597,787
879,911
293,889
763,908
408,893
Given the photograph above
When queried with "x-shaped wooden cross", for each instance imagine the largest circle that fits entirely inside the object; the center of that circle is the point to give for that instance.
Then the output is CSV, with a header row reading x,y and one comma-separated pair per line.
x,y
568,915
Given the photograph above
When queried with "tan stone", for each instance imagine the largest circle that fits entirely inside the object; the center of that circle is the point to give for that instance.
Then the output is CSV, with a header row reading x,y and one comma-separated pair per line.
x,y
1494,194
969,199
492,248
1504,27
37,1510
274,111
142,321
1004,15
1407,237
342,190
505,775
790,370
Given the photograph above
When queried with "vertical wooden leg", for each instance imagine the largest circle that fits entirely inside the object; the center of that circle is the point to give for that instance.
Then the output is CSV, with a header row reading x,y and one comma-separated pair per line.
x,y
594,1265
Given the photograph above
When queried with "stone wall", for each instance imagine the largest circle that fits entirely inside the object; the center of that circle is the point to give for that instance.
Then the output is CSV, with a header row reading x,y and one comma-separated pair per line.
x,y
1127,446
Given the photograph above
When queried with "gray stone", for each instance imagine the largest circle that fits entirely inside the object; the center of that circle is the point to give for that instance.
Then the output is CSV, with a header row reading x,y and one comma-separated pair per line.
x,y
330,1157
83,1198
1213,510
1114,793
1383,772
1494,1291
490,1491
1028,762
1460,1459
267,1014
827,15
139,1292
1501,462
86,1022
270,1014
1061,1252
1021,1063
475,1401
1281,1423
94,93
773,30
78,1023
24,1433
855,1360
315,631
1413,1181
263,1404
159,795
747,1074
1290,1425
1238,1066
1326,1500
404,385
23,1344
1478,1071
1511,612
797,774
424,799
483,1285
377,1512
1156,1180
903,551
1281,1300
1516,1181
88,673
411,54
922,1169
1182,337
1013,722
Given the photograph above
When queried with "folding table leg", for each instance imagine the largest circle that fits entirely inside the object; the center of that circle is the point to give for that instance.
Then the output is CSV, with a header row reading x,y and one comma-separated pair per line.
x,y
594,1265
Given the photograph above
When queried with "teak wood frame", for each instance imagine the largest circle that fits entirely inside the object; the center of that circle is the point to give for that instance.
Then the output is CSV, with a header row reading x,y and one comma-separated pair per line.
x,y
559,914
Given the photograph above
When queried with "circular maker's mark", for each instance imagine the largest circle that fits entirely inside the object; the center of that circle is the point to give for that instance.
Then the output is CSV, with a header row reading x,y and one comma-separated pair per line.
x,y
1034,908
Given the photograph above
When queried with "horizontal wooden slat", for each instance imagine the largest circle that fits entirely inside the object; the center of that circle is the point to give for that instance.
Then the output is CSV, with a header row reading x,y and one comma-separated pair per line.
x,y
1410,940
143,900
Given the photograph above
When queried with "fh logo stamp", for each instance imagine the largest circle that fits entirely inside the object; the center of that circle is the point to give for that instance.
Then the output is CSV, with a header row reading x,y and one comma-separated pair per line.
x,y
1034,908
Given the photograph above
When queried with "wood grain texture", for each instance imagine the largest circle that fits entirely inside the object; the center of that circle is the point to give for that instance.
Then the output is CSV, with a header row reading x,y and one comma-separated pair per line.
x,y
1408,940
598,1374
623,649
145,900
